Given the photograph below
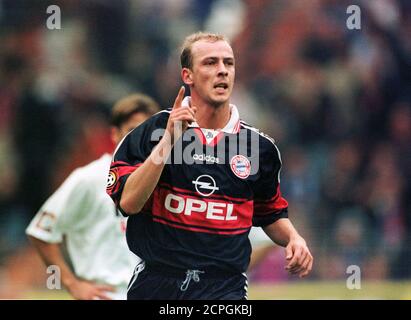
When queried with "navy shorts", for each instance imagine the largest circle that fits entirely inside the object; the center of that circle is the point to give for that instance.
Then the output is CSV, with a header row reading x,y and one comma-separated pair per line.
x,y
164,283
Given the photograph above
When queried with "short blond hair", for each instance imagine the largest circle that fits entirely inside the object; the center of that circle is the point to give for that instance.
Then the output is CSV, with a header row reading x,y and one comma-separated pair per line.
x,y
186,58
129,105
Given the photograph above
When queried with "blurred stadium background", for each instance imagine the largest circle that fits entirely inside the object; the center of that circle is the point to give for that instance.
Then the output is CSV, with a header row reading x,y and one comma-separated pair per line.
x,y
337,101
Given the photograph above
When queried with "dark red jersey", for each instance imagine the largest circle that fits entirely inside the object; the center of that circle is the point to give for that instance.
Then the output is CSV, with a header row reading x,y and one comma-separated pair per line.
x,y
214,187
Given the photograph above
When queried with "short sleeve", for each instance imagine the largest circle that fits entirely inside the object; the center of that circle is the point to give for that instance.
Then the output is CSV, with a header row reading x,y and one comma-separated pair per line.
x,y
59,213
269,204
131,153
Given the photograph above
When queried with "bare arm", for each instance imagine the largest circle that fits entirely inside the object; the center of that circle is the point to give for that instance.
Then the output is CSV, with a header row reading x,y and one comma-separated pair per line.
x,y
141,183
79,289
299,258
281,231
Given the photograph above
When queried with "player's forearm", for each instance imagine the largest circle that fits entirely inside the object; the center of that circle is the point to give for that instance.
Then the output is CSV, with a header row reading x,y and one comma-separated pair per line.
x,y
281,231
51,255
141,183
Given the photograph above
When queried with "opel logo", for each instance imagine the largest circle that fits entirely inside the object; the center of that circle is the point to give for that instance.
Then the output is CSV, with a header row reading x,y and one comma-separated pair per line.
x,y
205,185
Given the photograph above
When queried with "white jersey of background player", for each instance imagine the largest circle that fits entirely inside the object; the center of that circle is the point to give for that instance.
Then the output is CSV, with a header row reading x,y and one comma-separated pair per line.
x,y
82,214
261,245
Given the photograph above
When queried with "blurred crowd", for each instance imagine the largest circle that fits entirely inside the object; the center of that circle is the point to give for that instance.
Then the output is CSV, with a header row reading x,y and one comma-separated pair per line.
x,y
337,102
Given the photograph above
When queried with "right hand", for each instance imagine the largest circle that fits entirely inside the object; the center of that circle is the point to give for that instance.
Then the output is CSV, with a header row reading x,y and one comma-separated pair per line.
x,y
299,258
180,117
84,290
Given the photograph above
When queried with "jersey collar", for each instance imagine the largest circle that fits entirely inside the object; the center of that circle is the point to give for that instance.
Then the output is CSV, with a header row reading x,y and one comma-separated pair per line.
x,y
232,126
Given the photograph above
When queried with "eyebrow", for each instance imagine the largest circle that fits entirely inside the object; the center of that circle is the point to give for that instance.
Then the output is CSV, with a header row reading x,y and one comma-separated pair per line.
x,y
216,58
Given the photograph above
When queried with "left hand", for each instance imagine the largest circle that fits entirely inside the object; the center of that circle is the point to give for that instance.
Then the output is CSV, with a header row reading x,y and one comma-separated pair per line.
x,y
299,258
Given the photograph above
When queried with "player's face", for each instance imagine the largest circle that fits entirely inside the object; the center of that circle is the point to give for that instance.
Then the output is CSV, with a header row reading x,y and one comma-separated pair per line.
x,y
212,72
134,121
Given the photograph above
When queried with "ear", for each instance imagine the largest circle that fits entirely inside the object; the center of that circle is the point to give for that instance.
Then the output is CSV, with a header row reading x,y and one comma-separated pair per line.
x,y
115,135
187,76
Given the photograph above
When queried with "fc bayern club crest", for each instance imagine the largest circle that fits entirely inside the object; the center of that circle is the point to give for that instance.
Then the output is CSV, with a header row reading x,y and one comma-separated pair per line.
x,y
241,166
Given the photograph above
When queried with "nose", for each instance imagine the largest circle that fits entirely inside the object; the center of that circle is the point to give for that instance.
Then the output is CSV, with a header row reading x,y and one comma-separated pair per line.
x,y
222,70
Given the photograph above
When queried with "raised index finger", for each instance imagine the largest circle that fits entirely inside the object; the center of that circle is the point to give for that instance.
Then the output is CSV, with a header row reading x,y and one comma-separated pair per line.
x,y
179,98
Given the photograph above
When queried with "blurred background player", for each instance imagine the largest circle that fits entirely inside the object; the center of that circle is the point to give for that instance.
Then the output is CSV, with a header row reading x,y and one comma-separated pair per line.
x,y
261,246
81,214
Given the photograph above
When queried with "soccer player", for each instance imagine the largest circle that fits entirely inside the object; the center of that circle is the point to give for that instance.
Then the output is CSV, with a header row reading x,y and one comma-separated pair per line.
x,y
81,213
192,197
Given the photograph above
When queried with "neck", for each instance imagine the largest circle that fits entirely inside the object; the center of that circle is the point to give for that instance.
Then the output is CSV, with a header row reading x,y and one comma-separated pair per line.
x,y
211,117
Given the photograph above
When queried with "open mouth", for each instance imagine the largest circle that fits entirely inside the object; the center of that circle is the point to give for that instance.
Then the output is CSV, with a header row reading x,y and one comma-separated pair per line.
x,y
221,86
